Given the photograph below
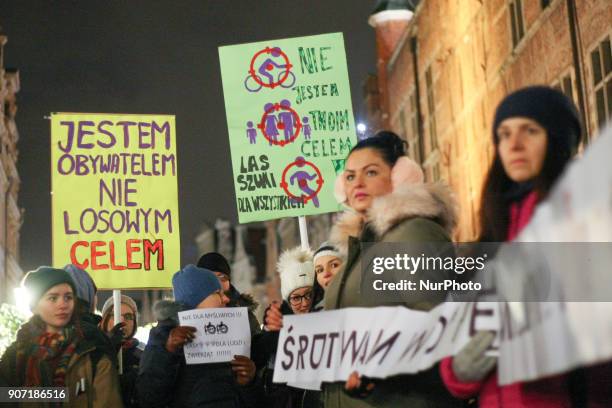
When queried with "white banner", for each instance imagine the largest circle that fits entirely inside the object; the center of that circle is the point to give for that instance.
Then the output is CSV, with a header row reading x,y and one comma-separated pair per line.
x,y
221,334
553,337
376,342
540,339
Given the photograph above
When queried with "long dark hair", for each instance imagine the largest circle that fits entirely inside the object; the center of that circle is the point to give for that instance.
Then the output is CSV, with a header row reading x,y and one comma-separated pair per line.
x,y
558,115
494,204
318,293
390,146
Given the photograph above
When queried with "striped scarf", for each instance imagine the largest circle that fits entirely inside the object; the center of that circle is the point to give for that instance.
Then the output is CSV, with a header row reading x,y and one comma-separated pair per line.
x,y
42,357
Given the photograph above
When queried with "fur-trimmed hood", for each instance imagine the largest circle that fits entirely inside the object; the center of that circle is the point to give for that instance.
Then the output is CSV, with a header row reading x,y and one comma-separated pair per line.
x,y
432,200
238,299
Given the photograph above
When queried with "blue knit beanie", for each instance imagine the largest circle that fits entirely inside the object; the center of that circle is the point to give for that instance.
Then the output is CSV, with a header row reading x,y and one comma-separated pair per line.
x,y
192,285
85,287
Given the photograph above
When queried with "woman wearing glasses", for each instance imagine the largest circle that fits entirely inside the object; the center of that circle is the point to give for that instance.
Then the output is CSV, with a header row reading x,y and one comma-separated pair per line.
x,y
297,276
166,380
122,336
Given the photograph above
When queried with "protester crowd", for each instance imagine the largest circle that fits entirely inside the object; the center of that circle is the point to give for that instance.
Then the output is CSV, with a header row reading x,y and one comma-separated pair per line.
x,y
536,132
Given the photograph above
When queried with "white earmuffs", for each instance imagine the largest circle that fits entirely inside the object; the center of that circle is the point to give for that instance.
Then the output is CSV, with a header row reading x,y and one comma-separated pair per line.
x,y
405,171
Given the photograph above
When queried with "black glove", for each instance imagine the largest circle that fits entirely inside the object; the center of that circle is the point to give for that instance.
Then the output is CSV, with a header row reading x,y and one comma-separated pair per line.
x,y
117,335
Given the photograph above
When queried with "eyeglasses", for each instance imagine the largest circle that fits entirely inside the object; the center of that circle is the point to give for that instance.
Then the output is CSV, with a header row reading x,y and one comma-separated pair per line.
x,y
126,316
297,299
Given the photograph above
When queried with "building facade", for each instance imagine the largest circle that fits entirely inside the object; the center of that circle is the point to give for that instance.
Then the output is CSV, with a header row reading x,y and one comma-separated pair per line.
x,y
10,214
443,66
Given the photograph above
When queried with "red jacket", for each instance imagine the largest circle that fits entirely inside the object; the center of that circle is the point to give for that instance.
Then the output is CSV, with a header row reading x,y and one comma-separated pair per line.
x,y
546,393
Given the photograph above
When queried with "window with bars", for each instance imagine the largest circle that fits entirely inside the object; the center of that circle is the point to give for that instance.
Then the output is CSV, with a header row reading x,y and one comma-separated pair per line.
x,y
565,84
435,172
431,110
402,120
414,121
516,21
432,172
601,64
410,128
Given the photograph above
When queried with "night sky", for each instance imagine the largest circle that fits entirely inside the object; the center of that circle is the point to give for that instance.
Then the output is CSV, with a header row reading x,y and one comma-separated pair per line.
x,y
152,57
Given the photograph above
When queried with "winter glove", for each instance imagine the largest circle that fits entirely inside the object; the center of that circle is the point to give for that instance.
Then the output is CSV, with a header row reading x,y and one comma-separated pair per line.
x,y
359,387
178,337
471,364
116,335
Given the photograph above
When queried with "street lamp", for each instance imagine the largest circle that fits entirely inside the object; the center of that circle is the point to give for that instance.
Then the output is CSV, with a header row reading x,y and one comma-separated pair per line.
x,y
22,300
361,130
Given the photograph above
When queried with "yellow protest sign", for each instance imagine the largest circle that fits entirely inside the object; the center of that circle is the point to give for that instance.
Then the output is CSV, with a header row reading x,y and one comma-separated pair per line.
x,y
115,197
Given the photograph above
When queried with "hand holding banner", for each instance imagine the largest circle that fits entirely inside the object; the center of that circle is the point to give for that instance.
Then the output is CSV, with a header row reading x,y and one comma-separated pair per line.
x,y
377,342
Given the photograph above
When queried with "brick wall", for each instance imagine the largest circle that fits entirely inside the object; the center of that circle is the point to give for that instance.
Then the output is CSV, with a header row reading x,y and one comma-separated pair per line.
x,y
467,61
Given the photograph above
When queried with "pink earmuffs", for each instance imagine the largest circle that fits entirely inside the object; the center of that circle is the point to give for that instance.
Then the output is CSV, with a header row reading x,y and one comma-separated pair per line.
x,y
405,171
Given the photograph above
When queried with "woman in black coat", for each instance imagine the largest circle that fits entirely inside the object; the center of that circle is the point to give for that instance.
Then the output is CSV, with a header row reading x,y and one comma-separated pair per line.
x,y
165,380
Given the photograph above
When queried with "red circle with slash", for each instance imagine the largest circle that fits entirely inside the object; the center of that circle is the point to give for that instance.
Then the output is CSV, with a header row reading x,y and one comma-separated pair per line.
x,y
275,108
300,162
268,50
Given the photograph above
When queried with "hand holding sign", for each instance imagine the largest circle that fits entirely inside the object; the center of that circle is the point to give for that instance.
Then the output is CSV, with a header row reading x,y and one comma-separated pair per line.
x,y
117,334
359,387
244,368
178,337
274,318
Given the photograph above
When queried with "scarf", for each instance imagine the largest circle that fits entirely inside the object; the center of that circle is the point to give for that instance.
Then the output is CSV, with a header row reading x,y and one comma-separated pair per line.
x,y
518,191
129,343
43,357
521,213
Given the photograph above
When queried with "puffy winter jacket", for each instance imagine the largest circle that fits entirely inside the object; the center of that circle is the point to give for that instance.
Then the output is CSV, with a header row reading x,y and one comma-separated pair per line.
x,y
165,380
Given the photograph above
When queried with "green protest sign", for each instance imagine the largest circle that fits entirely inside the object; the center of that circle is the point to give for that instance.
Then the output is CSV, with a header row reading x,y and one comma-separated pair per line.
x,y
290,123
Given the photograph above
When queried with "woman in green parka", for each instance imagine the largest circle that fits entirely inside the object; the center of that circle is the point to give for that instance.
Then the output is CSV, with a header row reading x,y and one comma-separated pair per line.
x,y
387,201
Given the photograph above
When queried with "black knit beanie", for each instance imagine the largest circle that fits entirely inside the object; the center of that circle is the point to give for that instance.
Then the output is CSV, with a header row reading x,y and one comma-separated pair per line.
x,y
39,281
554,111
215,262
